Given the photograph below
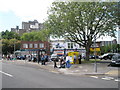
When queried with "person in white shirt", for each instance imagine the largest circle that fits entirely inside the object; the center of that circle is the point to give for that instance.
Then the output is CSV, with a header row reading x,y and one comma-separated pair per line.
x,y
67,61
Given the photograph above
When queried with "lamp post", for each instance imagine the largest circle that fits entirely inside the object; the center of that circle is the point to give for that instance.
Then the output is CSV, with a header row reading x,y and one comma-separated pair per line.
x,y
14,43
14,46
95,64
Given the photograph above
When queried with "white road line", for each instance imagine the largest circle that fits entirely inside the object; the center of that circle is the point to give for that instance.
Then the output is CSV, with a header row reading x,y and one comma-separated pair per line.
x,y
117,80
107,78
6,74
94,76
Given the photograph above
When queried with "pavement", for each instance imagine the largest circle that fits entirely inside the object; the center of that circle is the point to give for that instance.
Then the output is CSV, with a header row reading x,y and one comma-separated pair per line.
x,y
79,69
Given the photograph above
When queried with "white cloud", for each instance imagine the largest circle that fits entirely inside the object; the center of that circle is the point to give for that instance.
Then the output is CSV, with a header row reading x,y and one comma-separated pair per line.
x,y
27,9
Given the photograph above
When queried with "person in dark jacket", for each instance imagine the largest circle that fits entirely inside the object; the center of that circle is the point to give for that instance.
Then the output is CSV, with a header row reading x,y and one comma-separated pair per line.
x,y
55,60
39,59
46,58
62,63
79,59
42,60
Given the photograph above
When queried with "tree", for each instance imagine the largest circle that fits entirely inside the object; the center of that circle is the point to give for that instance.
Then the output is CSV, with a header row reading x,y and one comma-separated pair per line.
x,y
42,35
9,35
8,40
82,22
8,45
114,48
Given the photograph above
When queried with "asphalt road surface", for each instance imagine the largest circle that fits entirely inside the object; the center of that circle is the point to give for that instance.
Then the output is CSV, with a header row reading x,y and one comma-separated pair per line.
x,y
30,76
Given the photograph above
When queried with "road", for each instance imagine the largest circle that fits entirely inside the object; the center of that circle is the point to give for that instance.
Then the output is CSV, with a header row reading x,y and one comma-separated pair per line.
x,y
31,76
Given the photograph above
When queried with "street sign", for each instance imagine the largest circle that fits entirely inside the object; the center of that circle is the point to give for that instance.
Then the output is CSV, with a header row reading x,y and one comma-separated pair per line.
x,y
94,49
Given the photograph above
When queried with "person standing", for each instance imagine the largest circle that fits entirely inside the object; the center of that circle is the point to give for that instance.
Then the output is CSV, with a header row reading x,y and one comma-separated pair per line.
x,y
42,60
61,60
11,57
79,59
39,59
29,58
68,61
55,60
46,58
62,63
75,58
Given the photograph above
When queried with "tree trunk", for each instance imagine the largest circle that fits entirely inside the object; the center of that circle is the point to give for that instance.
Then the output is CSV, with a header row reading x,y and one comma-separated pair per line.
x,y
87,53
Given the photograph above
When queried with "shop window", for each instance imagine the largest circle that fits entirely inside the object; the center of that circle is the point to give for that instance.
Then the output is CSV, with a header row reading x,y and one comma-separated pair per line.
x,y
41,45
25,45
35,45
30,45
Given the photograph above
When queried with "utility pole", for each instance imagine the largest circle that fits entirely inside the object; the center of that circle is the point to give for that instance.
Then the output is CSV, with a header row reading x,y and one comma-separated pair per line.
x,y
14,43
95,64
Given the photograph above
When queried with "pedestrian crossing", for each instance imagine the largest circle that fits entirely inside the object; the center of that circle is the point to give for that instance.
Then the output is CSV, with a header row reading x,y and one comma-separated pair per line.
x,y
107,78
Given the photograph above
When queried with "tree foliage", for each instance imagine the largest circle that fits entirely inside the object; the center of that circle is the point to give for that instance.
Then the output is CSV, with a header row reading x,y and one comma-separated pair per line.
x,y
42,35
8,45
114,48
81,22
9,35
8,41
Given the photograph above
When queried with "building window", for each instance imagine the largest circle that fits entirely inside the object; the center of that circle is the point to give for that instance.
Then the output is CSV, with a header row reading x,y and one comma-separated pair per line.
x,y
35,45
41,45
30,45
25,45
70,45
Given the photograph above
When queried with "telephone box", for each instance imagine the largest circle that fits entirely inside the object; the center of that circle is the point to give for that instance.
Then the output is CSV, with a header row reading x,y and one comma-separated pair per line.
x,y
71,54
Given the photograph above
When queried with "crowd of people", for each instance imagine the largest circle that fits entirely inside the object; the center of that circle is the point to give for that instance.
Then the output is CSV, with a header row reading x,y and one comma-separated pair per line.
x,y
64,61
8,57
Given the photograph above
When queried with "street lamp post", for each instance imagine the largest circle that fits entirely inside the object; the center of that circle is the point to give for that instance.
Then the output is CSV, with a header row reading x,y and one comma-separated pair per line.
x,y
95,64
14,46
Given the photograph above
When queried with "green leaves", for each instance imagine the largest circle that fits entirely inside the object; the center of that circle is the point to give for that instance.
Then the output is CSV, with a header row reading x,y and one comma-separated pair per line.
x,y
86,19
8,45
9,35
80,22
42,35
114,48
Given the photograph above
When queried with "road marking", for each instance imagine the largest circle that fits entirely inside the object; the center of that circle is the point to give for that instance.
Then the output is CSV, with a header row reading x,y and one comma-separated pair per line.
x,y
94,76
107,78
117,80
7,74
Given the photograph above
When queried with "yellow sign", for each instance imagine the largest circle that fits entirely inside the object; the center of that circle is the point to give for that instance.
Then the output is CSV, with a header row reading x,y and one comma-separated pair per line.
x,y
94,49
71,54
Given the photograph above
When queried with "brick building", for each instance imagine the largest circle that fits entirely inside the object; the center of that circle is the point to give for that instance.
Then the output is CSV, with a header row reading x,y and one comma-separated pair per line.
x,y
35,47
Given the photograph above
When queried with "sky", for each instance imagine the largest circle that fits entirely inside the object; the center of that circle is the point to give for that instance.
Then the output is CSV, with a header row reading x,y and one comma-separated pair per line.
x,y
13,12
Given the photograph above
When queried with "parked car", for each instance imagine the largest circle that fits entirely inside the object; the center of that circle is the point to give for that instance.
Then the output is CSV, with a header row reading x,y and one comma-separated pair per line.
x,y
107,56
93,56
21,57
116,60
